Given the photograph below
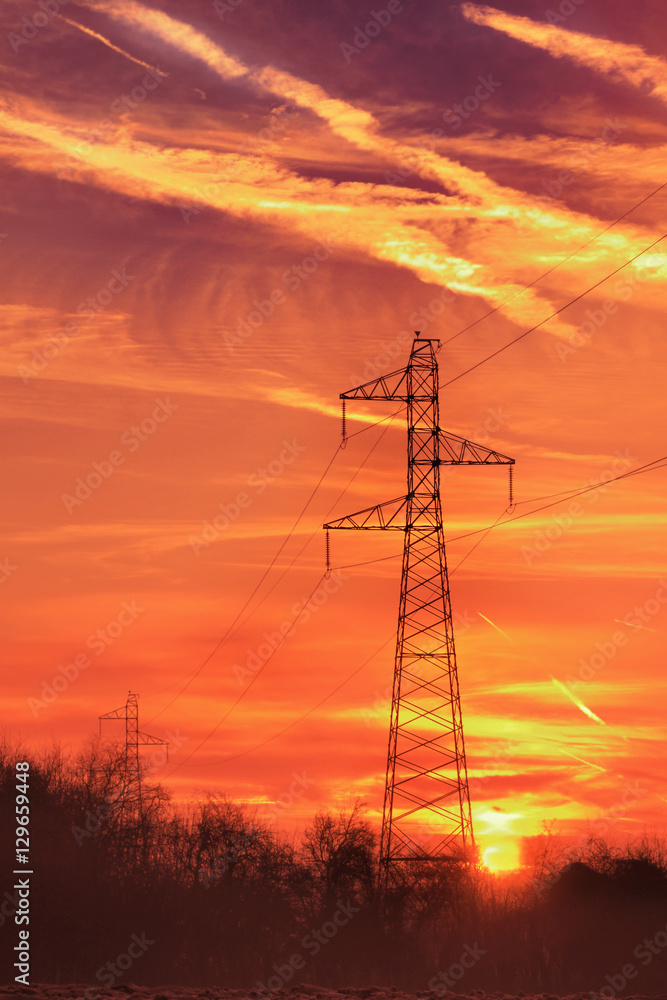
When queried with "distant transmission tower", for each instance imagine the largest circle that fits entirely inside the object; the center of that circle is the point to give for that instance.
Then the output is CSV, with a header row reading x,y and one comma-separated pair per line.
x,y
131,765
426,814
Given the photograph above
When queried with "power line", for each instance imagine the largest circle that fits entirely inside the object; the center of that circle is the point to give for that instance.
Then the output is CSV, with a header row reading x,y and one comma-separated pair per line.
x,y
390,417
569,494
314,708
650,466
556,313
256,676
478,542
630,472
556,266
270,657
317,530
275,736
237,624
266,572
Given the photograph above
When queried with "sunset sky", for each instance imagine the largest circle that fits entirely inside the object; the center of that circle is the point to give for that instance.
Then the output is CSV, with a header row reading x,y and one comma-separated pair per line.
x,y
215,218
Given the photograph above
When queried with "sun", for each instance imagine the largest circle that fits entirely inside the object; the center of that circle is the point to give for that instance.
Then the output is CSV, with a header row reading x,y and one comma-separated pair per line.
x,y
497,820
502,857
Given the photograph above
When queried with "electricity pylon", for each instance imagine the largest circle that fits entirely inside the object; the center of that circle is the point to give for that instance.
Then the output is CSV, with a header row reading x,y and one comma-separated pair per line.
x,y
426,815
130,795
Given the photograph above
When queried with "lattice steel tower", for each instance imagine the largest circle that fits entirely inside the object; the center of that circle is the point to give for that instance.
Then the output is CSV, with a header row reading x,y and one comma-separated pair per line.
x,y
426,814
130,795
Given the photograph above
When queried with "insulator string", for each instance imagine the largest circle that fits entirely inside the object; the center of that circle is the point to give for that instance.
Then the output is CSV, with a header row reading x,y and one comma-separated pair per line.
x,y
511,498
328,554
344,429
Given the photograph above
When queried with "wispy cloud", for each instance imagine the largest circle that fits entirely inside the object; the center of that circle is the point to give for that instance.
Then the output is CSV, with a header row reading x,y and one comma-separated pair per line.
x,y
387,228
416,230
619,61
176,33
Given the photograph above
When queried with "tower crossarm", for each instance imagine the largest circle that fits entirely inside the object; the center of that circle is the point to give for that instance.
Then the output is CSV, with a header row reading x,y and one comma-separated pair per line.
x,y
455,450
383,516
392,386
117,713
151,741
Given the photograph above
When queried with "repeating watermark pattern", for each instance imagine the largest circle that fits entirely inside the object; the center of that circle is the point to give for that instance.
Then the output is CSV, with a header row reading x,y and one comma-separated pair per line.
x,y
299,786
454,116
312,943
235,850
645,612
114,802
258,482
31,26
95,820
158,758
98,642
236,166
8,907
108,974
302,611
420,320
506,749
7,569
565,10
584,157
623,289
632,793
595,320
376,24
405,168
606,649
106,127
292,278
581,160
222,7
560,524
444,981
645,952
89,309
131,439
382,702
494,421
460,112
432,826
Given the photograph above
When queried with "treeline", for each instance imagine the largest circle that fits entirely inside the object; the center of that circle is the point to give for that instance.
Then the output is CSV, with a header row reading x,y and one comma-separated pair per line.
x,y
128,890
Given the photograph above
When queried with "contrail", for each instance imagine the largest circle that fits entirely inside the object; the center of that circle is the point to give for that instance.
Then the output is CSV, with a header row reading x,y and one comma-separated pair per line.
x,y
581,760
493,626
631,625
105,41
578,702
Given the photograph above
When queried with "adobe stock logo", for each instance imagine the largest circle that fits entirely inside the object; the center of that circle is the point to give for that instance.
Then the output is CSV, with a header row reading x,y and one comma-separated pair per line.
x,y
258,481
31,25
456,115
131,439
378,21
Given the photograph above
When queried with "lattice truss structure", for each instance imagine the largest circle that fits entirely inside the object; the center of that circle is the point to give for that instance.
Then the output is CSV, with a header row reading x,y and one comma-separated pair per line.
x,y
426,812
129,793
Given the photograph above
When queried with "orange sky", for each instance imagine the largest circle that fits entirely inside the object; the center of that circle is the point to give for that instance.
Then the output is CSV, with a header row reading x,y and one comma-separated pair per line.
x,y
215,219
